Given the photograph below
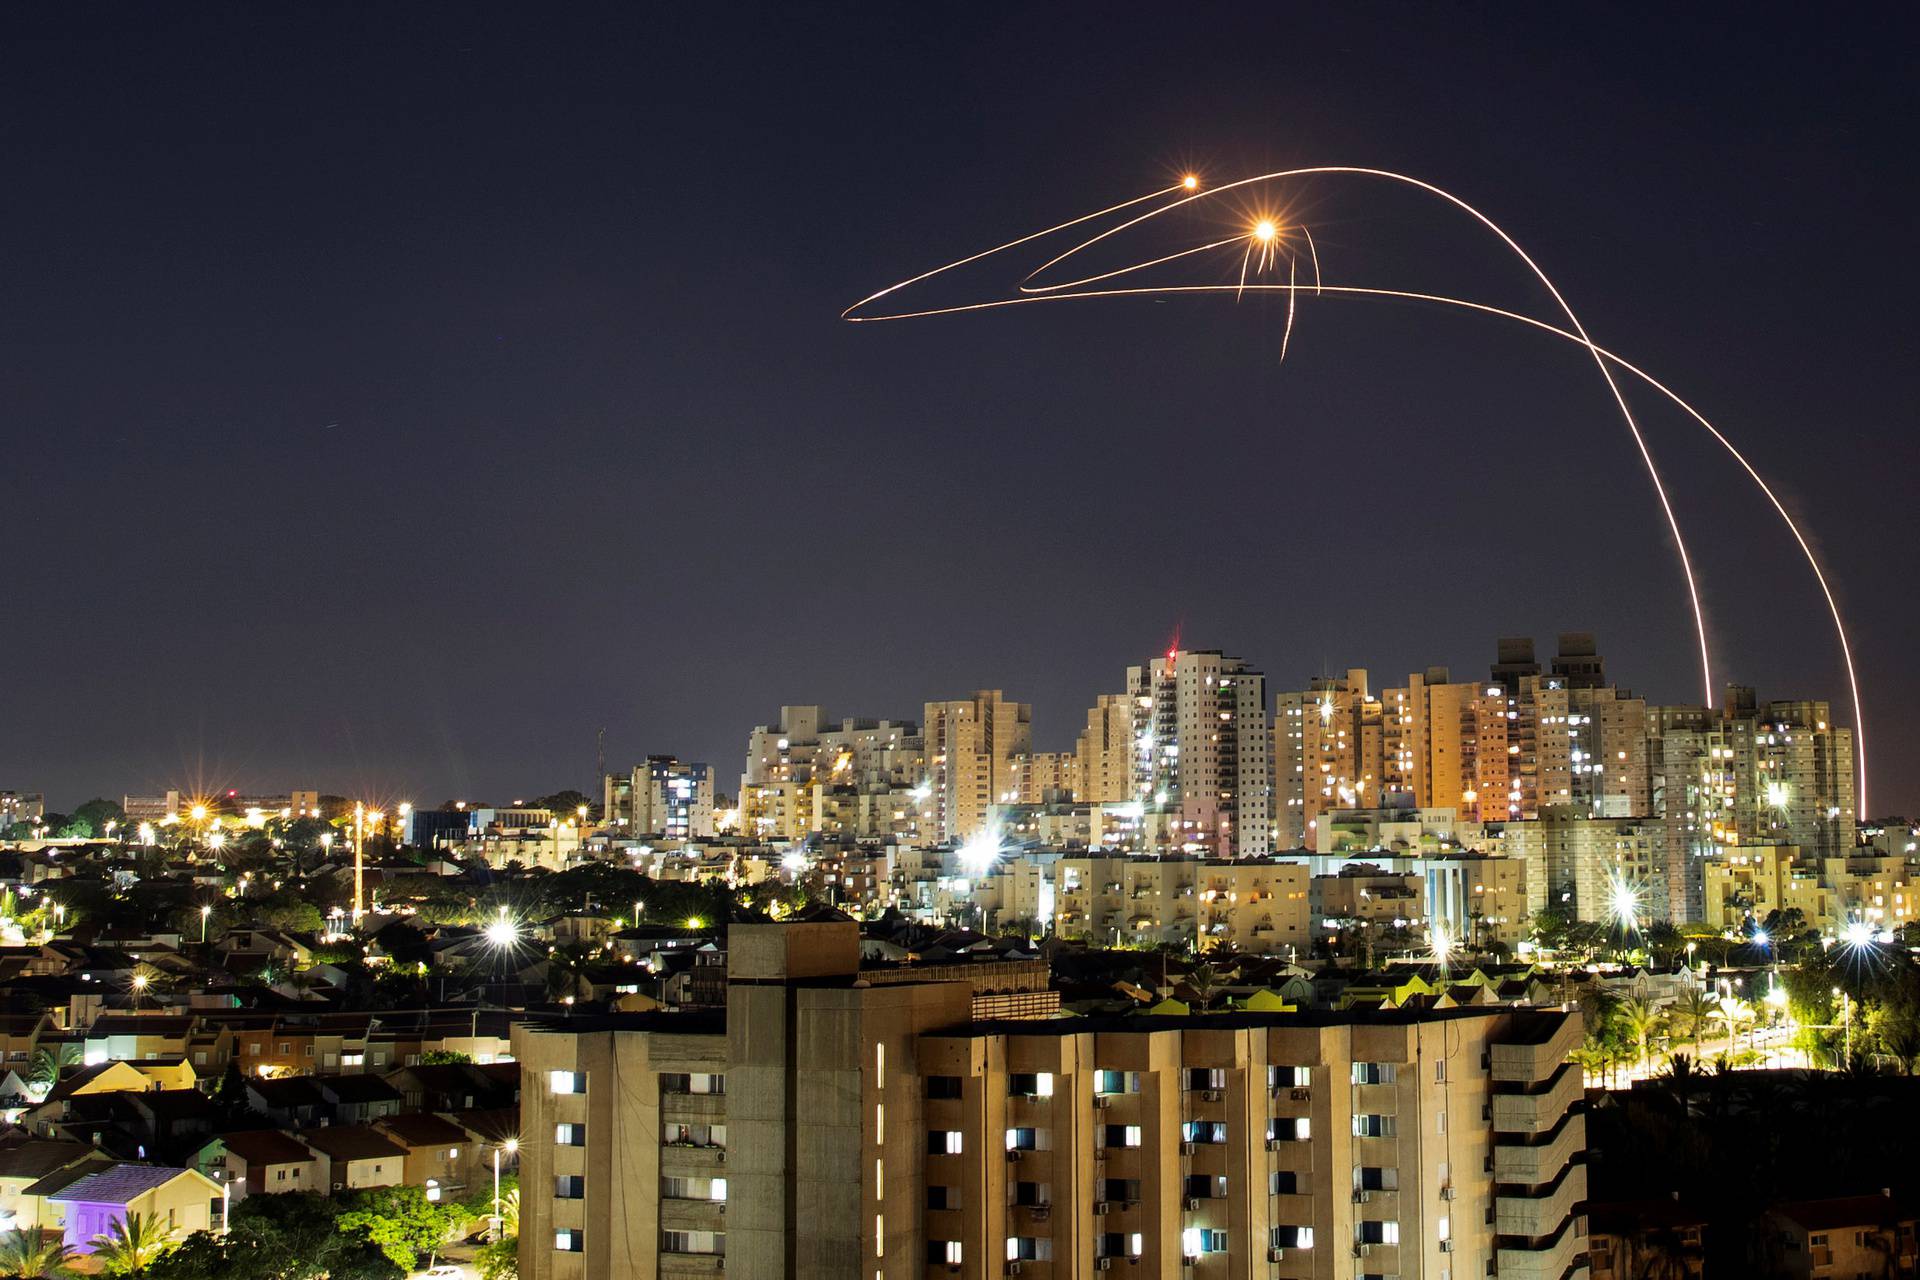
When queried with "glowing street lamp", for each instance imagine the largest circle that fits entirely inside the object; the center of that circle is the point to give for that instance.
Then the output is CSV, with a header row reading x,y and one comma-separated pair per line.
x,y
205,912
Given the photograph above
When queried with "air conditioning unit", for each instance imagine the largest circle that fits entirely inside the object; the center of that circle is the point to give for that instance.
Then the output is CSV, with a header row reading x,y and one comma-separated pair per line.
x,y
1190,1203
1186,1148
1016,1154
1446,1246
1187,1259
1101,1102
1276,1254
1103,1264
1273,1144
1040,1212
1303,1095
1362,1250
1446,1193
1101,1208
1211,1095
719,1157
1013,1268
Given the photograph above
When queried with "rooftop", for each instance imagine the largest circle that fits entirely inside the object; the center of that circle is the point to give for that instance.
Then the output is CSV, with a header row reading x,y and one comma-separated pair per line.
x,y
119,1184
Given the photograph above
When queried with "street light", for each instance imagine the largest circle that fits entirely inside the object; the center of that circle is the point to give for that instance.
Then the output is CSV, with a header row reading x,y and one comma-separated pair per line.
x,y
205,911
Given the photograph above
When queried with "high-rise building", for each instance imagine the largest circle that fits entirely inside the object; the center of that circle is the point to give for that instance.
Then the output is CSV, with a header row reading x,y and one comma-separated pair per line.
x,y
832,1127
1103,754
1747,773
662,796
971,747
1202,757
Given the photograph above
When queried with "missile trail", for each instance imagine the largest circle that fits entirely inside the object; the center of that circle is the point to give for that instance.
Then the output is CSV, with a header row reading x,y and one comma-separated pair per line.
x,y
1264,237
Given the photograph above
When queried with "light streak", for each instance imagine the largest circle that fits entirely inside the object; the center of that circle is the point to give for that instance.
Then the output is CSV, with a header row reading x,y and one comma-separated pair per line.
x,y
1032,293
1620,401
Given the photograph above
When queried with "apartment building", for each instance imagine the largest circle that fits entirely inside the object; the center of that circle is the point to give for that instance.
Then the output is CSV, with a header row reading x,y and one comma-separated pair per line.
x,y
1253,904
972,746
780,1139
1241,1145
831,1127
1203,757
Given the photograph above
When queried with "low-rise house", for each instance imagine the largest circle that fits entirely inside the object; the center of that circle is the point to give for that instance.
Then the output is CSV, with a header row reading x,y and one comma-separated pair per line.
x,y
260,1162
457,1086
1842,1237
357,1099
25,1163
181,1200
353,1156
439,1155
137,1037
1629,1239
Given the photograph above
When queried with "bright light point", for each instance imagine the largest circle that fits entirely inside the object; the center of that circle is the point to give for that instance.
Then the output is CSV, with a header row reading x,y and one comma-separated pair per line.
x,y
198,813
503,933
1190,182
795,861
1264,230
1857,934
978,855
695,922
1760,938
1777,998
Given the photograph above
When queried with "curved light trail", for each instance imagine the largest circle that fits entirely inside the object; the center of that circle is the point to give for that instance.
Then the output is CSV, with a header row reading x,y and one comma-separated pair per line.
x,y
1256,242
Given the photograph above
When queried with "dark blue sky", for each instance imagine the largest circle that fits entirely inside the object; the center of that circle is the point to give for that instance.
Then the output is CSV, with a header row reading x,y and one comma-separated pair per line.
x,y
396,395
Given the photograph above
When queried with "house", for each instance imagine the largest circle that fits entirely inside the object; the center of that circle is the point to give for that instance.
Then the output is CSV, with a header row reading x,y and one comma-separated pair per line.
x,y
352,1156
26,1162
1627,1239
357,1099
1843,1237
138,1036
440,1154
456,1086
183,1200
291,1102
260,1162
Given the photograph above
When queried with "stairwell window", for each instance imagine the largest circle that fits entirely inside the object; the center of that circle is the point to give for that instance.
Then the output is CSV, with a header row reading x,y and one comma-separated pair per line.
x,y
569,1240
1375,1072
570,1135
567,1081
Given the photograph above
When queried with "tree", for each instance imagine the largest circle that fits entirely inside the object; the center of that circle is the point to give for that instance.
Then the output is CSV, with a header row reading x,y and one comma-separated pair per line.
x,y
44,1071
1639,1019
565,804
1693,1010
499,1259
444,1058
131,1244
97,813
400,1221
33,1252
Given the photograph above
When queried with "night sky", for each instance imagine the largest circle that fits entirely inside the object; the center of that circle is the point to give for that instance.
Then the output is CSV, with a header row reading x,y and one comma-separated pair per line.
x,y
397,395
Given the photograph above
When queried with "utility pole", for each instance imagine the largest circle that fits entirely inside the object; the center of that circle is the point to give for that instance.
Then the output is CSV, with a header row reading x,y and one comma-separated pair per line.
x,y
359,861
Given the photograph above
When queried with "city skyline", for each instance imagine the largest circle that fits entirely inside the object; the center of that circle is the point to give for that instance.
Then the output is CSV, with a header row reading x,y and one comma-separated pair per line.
x,y
661,498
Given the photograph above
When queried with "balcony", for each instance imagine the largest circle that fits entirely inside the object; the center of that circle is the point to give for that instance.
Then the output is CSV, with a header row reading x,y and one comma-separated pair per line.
x,y
1536,1061
1531,1166
675,1265
1551,1260
1537,1216
693,1215
693,1108
693,1162
1534,1113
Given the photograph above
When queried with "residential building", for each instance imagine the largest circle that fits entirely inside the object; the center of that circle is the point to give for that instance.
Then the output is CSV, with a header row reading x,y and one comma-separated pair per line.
x,y
971,747
1202,765
1841,1237
663,797
182,1201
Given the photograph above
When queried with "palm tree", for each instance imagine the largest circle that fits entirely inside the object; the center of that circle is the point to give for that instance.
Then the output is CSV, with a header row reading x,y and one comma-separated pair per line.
x,y
567,971
1734,1013
131,1244
44,1071
34,1252
1682,1079
1695,1009
1639,1019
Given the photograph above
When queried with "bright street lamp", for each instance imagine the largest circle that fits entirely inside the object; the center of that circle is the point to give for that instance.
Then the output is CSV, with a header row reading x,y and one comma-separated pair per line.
x,y
205,912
